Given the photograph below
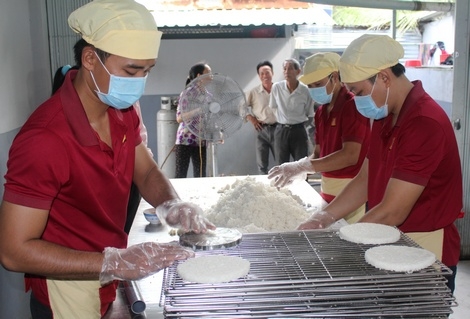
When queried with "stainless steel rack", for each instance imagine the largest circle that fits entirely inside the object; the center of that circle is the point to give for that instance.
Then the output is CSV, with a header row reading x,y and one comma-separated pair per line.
x,y
309,274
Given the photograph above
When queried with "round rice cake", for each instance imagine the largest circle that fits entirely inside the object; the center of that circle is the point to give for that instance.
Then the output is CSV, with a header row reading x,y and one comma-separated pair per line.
x,y
213,269
369,233
399,258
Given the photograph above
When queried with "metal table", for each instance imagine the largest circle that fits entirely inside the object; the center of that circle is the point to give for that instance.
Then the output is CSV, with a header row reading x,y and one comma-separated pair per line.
x,y
205,193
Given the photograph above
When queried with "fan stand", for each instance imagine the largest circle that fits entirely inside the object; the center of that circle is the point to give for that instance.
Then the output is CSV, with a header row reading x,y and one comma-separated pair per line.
x,y
212,159
214,108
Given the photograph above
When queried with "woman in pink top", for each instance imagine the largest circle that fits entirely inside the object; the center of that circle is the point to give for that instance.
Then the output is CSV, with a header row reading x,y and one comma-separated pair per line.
x,y
188,147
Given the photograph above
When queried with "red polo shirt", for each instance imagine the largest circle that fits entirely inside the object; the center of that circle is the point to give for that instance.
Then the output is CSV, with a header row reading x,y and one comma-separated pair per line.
x,y
57,162
343,124
422,149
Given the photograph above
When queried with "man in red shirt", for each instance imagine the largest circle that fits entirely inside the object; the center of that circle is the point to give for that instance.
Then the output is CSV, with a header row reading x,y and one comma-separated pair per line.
x,y
412,175
71,166
341,133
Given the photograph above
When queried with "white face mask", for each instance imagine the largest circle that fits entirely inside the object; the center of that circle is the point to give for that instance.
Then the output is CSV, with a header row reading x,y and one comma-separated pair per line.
x,y
123,91
320,95
367,107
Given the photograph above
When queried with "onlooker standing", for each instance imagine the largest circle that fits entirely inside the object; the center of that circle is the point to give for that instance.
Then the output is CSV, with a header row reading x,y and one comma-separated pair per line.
x,y
341,133
262,116
293,106
188,146
412,175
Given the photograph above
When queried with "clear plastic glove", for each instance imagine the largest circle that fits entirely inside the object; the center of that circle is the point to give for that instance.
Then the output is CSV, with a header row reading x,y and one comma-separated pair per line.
x,y
184,215
141,260
318,220
286,173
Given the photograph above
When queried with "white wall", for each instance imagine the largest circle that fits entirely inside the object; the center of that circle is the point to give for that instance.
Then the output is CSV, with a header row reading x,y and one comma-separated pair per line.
x,y
25,70
236,58
441,30
24,83
438,82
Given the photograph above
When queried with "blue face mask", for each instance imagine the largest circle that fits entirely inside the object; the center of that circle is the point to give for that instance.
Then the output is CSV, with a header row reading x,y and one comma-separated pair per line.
x,y
122,91
320,94
367,107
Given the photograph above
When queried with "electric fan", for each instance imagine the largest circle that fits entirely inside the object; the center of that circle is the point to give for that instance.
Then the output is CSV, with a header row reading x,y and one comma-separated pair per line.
x,y
213,107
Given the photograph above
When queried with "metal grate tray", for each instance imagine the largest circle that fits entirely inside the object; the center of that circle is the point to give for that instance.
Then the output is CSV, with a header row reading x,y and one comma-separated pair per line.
x,y
309,274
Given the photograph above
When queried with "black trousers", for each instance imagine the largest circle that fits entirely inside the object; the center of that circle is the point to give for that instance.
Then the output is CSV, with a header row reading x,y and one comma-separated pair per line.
x,y
451,279
184,154
265,144
290,140
38,310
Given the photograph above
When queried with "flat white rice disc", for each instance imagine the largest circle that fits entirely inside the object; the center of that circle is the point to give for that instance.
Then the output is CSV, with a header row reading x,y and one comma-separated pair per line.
x,y
399,258
369,233
213,269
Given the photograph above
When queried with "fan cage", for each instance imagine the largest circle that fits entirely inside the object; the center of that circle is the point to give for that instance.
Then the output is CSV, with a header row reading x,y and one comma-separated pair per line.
x,y
213,107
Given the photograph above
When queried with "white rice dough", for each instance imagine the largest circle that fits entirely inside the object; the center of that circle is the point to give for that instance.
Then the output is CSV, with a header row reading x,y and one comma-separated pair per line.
x,y
213,269
369,233
251,206
399,258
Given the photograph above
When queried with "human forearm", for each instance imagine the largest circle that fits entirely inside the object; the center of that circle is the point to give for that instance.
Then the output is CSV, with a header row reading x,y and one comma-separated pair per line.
x,y
155,188
397,203
175,212
43,258
153,185
347,156
349,199
22,248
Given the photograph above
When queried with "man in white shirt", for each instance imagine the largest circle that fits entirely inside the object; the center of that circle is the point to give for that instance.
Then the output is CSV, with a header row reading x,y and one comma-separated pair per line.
x,y
261,115
293,106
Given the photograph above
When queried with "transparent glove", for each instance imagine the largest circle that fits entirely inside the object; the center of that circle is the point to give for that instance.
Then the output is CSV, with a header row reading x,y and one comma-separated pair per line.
x,y
318,220
286,173
139,261
184,215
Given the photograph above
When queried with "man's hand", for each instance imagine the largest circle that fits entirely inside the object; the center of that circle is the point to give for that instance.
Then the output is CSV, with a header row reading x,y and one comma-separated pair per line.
x,y
286,173
184,215
139,261
318,220
257,124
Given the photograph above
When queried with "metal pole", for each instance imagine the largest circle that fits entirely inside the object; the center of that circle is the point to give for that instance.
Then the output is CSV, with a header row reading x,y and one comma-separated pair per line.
x,y
212,159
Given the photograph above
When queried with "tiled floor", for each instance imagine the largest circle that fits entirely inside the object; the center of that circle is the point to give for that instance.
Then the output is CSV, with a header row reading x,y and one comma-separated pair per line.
x,y
462,291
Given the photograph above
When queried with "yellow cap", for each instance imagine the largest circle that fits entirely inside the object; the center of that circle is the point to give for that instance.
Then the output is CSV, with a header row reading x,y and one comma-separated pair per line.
x,y
319,66
120,27
368,55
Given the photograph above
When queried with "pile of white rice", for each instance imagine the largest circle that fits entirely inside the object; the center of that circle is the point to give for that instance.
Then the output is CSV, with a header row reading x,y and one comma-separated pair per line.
x,y
253,207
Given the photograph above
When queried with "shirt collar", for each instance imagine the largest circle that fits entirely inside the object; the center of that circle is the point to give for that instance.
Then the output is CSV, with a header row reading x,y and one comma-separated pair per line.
x,y
75,113
415,94
261,89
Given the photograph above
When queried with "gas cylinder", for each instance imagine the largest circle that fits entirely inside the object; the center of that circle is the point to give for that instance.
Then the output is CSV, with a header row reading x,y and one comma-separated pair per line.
x,y
166,135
